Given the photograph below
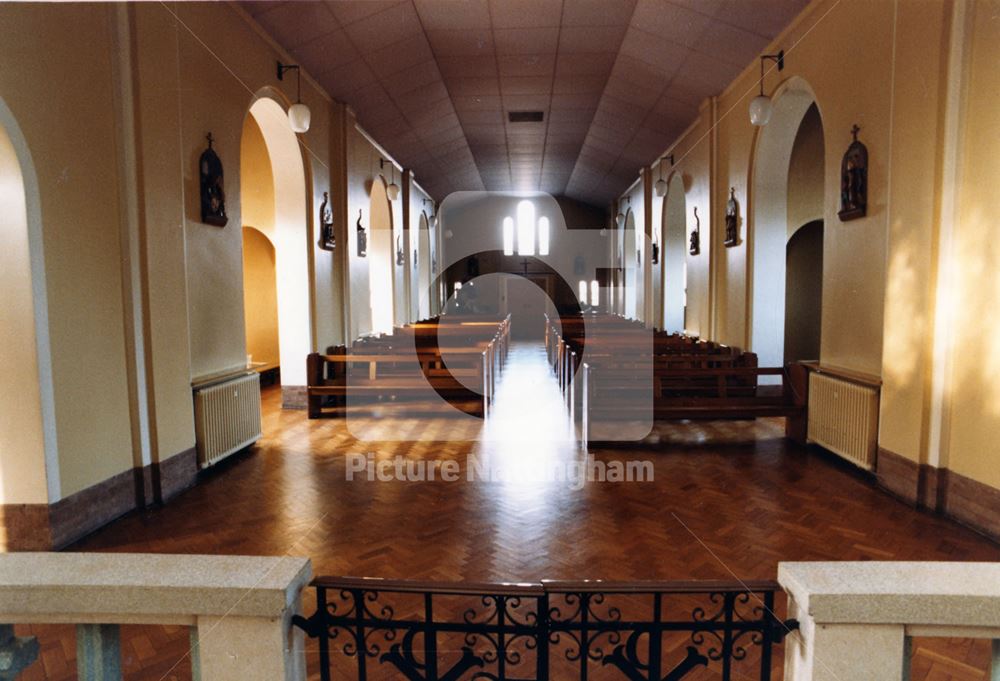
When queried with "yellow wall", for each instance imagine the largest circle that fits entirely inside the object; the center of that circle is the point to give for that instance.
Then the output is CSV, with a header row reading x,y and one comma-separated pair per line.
x,y
691,164
69,126
260,297
362,172
921,52
256,178
260,301
889,76
975,353
78,78
805,174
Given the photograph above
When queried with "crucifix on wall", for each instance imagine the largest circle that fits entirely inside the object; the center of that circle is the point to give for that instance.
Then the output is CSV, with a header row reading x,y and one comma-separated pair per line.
x,y
524,264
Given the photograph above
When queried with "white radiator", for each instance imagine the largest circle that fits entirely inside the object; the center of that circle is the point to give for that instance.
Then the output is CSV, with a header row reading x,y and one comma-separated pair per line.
x,y
843,417
226,417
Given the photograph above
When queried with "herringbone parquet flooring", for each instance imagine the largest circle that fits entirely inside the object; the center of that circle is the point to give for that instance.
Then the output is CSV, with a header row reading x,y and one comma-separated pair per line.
x,y
727,498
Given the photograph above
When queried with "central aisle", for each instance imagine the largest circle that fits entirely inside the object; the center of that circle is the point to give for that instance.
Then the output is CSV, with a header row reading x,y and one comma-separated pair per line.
x,y
530,422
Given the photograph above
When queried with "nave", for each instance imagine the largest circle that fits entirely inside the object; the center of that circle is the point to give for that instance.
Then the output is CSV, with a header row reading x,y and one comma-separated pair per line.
x,y
728,499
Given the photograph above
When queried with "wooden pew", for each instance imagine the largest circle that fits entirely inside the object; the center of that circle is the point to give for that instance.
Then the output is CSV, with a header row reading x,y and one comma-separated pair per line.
x,y
412,367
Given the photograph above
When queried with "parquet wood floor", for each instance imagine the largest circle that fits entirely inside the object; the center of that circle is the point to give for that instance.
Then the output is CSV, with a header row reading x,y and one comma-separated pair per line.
x,y
728,498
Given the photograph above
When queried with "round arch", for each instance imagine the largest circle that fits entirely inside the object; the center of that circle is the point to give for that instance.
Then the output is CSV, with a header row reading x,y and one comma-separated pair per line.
x,y
768,229
673,254
29,463
381,268
424,293
630,249
288,229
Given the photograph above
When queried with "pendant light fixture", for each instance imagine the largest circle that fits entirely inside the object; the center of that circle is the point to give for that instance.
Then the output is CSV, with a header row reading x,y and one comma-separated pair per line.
x,y
392,189
761,106
661,185
299,115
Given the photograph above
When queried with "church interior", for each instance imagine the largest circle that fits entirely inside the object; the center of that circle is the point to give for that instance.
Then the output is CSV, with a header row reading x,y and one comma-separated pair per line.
x,y
499,339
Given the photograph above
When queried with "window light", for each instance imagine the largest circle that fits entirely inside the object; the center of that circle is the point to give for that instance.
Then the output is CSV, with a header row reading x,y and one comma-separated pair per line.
x,y
526,228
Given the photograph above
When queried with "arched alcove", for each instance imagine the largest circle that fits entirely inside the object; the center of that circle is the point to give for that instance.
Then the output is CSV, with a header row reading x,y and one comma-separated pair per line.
x,y
260,298
380,259
28,453
274,197
424,293
630,264
788,167
804,292
673,255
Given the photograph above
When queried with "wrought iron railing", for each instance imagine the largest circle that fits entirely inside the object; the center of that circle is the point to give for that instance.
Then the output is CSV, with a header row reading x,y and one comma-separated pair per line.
x,y
647,631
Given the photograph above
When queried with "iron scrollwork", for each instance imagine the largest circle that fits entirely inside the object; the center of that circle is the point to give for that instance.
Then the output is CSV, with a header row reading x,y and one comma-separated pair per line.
x,y
541,631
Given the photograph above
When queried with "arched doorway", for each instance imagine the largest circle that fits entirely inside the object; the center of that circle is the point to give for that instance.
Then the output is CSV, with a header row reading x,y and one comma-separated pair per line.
x,y
28,453
380,259
424,293
788,191
673,257
274,199
630,263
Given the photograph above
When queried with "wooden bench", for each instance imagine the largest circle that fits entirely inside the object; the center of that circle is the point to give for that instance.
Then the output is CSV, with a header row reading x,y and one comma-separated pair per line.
x,y
695,393
410,367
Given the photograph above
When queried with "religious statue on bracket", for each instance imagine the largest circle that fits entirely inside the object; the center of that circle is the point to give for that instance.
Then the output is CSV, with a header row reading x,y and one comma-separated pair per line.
x,y
854,180
695,247
362,237
732,219
213,195
327,239
400,257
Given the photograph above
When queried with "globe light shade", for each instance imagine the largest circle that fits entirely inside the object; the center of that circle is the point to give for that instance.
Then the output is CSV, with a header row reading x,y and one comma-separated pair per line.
x,y
760,110
620,219
392,191
661,187
298,117
448,234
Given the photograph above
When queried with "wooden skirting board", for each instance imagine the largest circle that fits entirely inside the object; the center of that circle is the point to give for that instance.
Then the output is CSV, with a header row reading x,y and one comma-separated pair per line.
x,y
938,489
46,527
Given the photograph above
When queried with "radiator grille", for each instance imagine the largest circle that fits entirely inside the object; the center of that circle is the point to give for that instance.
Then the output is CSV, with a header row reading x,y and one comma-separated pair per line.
x,y
843,417
227,418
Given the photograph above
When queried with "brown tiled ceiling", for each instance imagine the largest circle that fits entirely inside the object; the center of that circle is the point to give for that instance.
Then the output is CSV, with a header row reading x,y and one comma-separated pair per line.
x,y
434,80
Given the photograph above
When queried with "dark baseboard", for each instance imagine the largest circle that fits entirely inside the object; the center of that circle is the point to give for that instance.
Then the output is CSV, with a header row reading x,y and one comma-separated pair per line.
x,y
174,475
24,527
971,503
81,513
46,527
963,499
899,475
294,397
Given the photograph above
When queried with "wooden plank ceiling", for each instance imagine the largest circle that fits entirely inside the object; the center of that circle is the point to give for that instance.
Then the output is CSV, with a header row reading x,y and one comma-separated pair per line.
x,y
434,80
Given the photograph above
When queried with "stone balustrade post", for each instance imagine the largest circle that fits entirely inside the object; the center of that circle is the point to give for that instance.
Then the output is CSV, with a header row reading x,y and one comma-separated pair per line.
x,y
856,619
239,608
